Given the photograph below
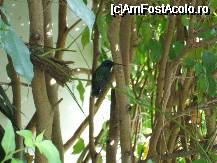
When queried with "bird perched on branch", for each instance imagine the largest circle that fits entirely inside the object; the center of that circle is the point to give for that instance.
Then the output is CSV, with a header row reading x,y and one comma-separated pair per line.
x,y
101,77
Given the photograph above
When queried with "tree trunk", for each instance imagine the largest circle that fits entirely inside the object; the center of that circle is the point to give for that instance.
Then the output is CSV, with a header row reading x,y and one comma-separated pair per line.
x,y
52,90
123,104
113,136
44,111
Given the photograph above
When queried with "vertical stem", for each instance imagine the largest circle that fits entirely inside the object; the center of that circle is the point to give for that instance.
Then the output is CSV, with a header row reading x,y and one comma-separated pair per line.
x,y
113,135
16,90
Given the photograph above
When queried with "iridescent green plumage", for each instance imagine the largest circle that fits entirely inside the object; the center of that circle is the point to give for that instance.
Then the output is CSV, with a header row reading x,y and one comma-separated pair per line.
x,y
101,77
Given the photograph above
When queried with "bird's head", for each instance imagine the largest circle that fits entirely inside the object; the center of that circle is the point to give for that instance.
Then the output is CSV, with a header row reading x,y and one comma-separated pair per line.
x,y
107,63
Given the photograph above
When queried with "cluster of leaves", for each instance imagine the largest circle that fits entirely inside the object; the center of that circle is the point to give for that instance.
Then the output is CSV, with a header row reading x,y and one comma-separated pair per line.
x,y
46,147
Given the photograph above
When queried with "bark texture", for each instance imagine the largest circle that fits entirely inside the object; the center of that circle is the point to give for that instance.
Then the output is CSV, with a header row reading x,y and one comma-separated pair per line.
x,y
44,111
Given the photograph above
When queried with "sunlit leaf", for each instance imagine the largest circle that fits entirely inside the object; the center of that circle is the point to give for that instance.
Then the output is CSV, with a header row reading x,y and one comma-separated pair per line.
x,y
39,138
28,137
8,140
140,148
47,148
16,161
83,12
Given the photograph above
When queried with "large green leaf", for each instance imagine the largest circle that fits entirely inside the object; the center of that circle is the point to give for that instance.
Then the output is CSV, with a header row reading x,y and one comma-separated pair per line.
x,y
20,54
47,148
83,12
8,140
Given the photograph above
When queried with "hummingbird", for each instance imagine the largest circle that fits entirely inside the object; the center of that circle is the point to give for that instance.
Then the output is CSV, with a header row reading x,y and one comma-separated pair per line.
x,y
101,77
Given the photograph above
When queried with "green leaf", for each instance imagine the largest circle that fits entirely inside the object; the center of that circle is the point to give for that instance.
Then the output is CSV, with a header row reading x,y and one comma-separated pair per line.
x,y
79,146
156,50
74,97
9,71
202,84
83,12
213,5
140,149
39,138
189,62
176,49
8,140
200,161
146,33
28,137
85,2
85,37
185,20
20,55
211,86
48,149
209,62
199,69
81,90
16,161
100,160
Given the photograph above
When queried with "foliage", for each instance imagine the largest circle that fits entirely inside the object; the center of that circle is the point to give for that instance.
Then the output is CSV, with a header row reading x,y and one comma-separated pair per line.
x,y
46,147
79,146
81,10
20,54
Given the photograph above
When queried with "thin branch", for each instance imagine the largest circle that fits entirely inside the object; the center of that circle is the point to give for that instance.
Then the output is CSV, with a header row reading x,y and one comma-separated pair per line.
x,y
84,124
73,26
